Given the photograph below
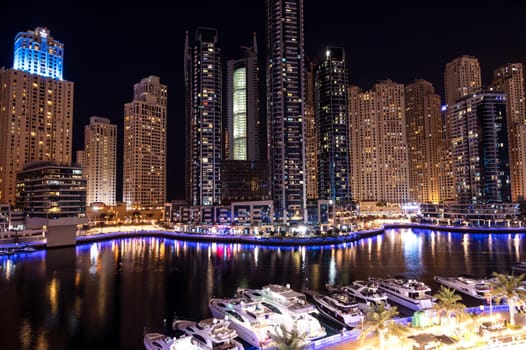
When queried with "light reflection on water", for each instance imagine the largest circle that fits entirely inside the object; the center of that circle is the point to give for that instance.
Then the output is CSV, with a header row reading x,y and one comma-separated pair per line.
x,y
104,294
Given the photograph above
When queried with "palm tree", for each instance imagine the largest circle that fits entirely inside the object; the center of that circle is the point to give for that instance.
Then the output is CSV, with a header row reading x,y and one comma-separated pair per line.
x,y
379,320
448,304
285,339
507,286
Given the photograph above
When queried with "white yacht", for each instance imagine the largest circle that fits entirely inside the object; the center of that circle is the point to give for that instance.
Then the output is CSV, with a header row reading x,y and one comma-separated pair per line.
x,y
407,292
478,288
291,304
366,293
252,320
211,333
158,341
338,307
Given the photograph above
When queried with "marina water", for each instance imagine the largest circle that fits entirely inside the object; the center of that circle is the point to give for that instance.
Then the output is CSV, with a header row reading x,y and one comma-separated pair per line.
x,y
106,294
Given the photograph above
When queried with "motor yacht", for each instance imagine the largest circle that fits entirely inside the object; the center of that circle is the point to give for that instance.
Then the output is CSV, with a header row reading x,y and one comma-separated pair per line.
x,y
291,304
158,341
366,293
338,307
211,333
410,293
478,288
253,321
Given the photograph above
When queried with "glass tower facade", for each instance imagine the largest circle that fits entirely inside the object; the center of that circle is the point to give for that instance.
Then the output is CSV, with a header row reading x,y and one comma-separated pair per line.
x,y
332,120
286,107
36,52
205,119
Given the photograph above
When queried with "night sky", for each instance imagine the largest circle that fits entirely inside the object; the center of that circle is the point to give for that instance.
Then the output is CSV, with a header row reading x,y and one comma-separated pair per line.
x,y
107,50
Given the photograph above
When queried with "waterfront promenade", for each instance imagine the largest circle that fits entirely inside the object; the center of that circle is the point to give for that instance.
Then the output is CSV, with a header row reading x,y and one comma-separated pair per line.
x,y
125,231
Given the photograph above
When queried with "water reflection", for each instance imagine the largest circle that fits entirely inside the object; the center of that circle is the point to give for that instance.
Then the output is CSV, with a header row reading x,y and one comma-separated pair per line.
x,y
104,294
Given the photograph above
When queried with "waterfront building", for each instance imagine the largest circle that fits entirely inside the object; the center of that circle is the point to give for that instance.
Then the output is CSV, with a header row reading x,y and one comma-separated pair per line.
x,y
205,141
480,148
424,141
462,77
378,145
510,79
243,124
332,127
36,108
311,139
286,107
50,190
144,150
99,165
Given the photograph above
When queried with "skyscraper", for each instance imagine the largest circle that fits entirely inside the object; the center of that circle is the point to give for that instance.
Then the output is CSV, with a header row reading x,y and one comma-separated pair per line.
x,y
461,78
144,151
100,160
243,106
378,143
424,141
36,108
205,133
480,148
311,138
332,121
510,80
285,106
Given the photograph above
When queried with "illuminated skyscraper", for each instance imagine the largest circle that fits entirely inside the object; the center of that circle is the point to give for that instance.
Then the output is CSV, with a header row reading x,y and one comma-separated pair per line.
x,y
424,141
378,143
311,139
144,150
205,133
36,108
286,107
461,78
100,160
510,80
243,106
480,148
332,121
36,52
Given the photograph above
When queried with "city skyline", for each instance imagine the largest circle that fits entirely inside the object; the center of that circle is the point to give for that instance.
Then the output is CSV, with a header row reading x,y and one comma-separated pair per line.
x,y
105,53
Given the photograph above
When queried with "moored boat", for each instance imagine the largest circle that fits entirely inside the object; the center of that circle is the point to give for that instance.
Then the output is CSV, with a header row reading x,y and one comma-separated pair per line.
x,y
158,341
211,333
366,293
475,287
339,307
410,293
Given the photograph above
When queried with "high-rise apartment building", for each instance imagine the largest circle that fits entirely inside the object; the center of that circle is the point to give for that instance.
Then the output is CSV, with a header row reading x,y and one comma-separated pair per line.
x,y
204,117
286,107
462,77
424,141
480,148
510,80
311,138
378,143
332,121
144,151
243,106
36,108
100,160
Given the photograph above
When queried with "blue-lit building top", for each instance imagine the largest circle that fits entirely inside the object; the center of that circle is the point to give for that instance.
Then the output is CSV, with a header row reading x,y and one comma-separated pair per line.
x,y
36,52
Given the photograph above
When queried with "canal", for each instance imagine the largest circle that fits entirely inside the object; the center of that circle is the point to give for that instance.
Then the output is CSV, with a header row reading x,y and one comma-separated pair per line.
x,y
106,294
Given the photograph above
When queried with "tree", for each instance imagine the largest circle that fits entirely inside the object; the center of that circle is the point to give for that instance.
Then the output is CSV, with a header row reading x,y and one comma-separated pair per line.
x,y
448,304
285,339
507,287
379,321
